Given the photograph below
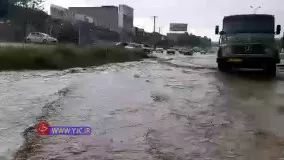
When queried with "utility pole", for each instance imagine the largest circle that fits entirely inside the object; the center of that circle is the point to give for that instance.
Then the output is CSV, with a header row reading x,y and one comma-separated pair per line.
x,y
154,35
154,23
79,38
160,30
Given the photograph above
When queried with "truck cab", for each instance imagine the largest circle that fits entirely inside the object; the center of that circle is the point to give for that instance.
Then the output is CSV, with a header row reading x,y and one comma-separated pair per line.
x,y
248,41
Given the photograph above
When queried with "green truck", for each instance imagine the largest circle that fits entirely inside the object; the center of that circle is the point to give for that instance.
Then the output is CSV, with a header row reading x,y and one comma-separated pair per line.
x,y
248,41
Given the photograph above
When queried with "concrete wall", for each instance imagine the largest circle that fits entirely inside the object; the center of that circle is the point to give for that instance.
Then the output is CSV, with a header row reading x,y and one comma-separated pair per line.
x,y
6,33
105,16
81,17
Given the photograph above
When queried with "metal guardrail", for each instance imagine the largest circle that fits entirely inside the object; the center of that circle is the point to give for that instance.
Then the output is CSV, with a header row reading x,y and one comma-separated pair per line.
x,y
23,45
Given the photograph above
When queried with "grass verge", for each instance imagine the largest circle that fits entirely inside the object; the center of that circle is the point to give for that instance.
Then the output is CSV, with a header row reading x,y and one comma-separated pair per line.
x,y
64,56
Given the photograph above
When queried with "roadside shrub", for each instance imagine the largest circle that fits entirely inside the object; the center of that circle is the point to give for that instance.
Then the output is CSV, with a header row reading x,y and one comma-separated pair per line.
x,y
64,56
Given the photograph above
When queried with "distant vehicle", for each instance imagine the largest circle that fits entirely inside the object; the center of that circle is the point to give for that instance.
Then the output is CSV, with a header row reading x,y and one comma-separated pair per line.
x,y
38,37
185,51
146,48
176,49
126,45
196,49
181,50
188,52
212,50
122,44
159,50
248,41
202,52
130,46
171,51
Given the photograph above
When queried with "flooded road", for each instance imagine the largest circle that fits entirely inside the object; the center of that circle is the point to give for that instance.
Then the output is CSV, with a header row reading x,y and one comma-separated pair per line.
x,y
173,108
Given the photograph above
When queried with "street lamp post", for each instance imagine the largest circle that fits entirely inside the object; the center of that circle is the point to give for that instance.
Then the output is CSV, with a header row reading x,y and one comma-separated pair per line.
x,y
255,9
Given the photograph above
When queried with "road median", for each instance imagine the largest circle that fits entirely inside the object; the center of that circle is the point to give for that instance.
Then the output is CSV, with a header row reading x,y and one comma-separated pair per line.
x,y
64,56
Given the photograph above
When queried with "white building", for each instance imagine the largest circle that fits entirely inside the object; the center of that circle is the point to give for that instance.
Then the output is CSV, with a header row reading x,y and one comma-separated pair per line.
x,y
125,18
58,12
106,16
118,19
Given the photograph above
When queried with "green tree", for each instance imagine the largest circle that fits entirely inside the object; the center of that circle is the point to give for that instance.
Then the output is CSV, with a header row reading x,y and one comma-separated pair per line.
x,y
33,4
193,40
3,8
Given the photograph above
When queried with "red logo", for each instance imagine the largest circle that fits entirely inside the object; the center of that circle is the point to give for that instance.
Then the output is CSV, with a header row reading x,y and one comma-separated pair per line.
x,y
43,128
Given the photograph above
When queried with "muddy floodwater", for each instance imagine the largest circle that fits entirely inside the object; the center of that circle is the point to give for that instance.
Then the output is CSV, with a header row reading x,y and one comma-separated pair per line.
x,y
170,108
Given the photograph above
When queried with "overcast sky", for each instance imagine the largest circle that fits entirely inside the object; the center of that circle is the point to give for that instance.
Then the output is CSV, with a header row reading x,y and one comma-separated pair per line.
x,y
201,15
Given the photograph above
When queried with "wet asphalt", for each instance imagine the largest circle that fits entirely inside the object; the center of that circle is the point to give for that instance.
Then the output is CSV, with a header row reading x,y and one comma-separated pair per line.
x,y
170,108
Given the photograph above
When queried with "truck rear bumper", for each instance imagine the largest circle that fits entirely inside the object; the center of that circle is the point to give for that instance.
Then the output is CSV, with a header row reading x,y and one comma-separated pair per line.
x,y
250,62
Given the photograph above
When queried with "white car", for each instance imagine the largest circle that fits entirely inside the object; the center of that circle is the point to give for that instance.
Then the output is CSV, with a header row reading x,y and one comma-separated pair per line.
x,y
171,51
130,46
37,37
159,50
146,48
202,52
121,44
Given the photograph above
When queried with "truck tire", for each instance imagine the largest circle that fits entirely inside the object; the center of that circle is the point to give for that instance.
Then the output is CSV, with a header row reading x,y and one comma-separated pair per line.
x,y
224,67
270,69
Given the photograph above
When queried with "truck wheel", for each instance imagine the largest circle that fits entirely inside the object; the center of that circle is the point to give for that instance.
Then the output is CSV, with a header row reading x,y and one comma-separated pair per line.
x,y
270,69
224,67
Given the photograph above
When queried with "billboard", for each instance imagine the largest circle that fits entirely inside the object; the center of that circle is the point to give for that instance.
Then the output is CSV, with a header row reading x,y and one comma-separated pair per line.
x,y
178,27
